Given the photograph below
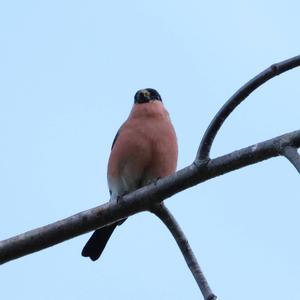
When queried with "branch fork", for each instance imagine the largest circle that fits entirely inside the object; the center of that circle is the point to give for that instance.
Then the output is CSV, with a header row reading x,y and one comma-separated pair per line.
x,y
150,197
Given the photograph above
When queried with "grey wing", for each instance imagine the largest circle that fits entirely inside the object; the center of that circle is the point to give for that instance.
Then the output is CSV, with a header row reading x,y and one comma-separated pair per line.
x,y
114,141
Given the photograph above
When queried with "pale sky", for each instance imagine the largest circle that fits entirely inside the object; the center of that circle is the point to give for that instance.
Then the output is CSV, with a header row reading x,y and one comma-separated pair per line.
x,y
68,74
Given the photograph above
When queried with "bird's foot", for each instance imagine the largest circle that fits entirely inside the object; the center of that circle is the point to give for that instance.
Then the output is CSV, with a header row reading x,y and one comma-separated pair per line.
x,y
119,200
155,180
120,197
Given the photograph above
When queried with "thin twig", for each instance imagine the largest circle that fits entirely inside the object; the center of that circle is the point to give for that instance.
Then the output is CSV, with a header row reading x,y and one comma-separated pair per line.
x,y
292,155
236,99
142,199
162,212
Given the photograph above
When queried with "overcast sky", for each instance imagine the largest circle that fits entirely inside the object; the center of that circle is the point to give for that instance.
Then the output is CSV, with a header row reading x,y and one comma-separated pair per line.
x,y
68,74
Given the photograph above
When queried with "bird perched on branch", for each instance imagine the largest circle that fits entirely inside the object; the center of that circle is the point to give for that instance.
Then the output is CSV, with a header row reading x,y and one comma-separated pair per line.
x,y
144,149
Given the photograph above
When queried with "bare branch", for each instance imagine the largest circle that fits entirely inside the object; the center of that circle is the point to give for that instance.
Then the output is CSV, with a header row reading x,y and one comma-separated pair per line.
x,y
142,199
237,98
162,212
151,196
292,155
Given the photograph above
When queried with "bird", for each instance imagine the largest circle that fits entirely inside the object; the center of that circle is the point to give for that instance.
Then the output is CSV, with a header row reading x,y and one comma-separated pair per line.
x,y
143,150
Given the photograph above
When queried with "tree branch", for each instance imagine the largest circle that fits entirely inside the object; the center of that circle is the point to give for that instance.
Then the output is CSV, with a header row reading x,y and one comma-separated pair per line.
x,y
162,212
143,198
292,155
151,196
237,98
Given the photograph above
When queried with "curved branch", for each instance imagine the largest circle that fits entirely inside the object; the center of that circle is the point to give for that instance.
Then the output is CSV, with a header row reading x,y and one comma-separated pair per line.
x,y
162,212
292,155
142,199
237,98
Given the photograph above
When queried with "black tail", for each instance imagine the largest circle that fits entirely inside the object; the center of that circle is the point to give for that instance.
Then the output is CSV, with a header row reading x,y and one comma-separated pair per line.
x,y
97,242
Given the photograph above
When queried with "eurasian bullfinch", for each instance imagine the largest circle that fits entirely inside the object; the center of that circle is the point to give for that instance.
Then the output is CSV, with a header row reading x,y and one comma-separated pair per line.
x,y
144,149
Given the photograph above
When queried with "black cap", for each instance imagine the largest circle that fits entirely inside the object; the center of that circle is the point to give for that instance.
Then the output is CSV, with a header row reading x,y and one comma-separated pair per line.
x,y
146,95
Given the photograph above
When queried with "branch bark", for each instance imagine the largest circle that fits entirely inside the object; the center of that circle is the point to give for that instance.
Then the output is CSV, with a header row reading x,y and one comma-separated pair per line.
x,y
162,212
150,197
292,155
239,96
142,199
